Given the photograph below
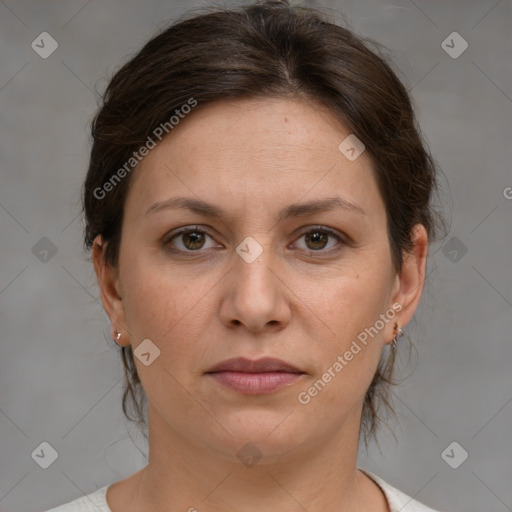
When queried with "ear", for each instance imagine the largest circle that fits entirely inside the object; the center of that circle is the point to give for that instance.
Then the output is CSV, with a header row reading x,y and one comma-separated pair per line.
x,y
410,281
108,282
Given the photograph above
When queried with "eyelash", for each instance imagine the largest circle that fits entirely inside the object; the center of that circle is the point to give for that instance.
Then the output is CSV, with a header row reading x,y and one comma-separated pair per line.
x,y
315,229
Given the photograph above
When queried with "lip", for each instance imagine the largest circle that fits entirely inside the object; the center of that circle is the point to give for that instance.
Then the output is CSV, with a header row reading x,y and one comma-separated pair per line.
x,y
263,365
255,377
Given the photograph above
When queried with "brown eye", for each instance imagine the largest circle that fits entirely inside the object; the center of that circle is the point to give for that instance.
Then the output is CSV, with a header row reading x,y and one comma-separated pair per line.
x,y
193,239
188,240
316,240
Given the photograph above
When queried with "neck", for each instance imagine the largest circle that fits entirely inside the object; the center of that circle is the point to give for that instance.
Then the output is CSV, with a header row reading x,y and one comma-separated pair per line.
x,y
317,476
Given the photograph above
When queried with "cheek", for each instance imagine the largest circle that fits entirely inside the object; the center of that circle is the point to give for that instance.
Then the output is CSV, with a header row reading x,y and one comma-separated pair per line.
x,y
160,308
170,308
352,301
350,308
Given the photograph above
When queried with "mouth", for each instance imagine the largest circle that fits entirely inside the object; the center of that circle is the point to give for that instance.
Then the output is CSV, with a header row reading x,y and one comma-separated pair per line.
x,y
255,377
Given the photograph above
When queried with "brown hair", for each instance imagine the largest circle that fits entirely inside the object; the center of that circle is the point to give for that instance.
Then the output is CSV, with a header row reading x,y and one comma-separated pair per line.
x,y
268,49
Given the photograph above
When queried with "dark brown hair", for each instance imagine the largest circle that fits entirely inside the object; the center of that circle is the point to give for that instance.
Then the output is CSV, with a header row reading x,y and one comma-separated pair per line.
x,y
268,49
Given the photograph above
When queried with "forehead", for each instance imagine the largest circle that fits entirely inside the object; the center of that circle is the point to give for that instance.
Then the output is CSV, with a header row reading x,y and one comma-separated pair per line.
x,y
273,149
263,127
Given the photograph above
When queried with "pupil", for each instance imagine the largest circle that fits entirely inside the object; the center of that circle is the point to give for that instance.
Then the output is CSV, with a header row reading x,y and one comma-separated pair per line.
x,y
315,236
194,236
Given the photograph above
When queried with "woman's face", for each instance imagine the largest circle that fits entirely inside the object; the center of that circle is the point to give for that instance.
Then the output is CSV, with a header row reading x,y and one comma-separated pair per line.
x,y
263,279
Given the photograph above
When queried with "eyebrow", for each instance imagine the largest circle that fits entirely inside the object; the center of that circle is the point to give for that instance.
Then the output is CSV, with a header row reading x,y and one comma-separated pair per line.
x,y
293,210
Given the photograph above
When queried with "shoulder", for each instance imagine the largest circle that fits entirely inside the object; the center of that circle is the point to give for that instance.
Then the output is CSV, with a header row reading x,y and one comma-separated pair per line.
x,y
398,501
94,502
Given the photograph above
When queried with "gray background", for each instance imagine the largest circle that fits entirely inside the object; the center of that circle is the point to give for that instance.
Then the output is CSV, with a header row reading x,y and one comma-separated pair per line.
x,y
61,381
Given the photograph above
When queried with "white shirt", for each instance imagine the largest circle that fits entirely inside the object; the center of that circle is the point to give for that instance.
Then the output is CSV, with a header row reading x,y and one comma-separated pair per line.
x,y
397,500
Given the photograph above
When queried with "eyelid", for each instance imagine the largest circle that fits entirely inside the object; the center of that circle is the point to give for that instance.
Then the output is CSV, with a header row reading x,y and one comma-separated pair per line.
x,y
319,227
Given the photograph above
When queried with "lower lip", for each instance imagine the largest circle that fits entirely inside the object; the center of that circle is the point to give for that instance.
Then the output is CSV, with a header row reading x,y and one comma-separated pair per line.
x,y
255,383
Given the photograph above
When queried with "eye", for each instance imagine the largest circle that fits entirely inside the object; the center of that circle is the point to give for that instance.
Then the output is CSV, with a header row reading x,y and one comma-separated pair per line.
x,y
189,240
316,240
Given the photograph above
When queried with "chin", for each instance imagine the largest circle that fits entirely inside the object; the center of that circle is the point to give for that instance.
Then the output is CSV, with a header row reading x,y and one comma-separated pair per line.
x,y
258,433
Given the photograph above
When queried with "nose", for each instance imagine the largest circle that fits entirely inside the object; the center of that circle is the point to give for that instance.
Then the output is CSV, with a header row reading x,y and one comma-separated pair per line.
x,y
254,293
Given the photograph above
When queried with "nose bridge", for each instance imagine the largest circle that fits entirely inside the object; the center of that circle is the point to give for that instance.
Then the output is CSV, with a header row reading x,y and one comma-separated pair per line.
x,y
253,296
257,261
254,260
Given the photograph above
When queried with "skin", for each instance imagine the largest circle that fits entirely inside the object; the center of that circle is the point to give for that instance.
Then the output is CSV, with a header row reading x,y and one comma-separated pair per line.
x,y
253,158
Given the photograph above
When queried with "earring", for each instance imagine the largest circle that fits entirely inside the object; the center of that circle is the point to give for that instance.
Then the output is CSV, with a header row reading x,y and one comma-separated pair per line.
x,y
117,335
400,332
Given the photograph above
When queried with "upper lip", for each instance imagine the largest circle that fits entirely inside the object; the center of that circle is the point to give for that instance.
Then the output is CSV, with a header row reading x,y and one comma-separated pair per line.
x,y
266,364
